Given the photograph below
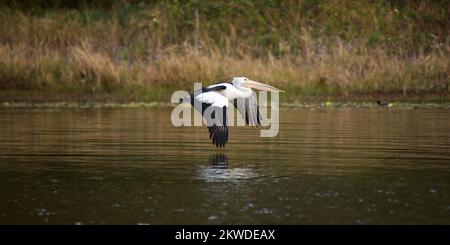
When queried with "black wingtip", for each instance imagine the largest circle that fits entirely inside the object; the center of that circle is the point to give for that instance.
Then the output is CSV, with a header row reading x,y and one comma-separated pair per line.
x,y
218,135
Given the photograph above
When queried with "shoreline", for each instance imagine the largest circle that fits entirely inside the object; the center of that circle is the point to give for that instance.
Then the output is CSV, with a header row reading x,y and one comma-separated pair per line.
x,y
293,105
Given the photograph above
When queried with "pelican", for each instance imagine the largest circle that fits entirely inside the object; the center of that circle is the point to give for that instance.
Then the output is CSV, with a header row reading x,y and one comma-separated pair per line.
x,y
216,97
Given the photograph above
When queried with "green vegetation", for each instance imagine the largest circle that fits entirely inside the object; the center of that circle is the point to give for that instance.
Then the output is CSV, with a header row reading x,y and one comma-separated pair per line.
x,y
142,51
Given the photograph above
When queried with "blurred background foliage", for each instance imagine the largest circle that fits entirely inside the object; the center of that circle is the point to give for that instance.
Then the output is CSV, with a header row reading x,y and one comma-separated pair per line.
x,y
314,47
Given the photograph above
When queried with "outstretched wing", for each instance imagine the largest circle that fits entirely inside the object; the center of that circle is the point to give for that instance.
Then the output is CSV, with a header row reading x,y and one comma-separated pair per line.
x,y
249,110
213,106
218,129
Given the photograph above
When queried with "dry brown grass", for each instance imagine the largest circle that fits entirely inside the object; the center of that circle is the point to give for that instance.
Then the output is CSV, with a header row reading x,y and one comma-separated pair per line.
x,y
63,54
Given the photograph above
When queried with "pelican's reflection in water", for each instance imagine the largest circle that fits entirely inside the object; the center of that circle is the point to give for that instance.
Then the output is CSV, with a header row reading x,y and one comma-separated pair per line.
x,y
218,161
220,169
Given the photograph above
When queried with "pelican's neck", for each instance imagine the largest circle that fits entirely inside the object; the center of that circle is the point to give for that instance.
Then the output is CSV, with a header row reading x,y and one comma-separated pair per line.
x,y
240,92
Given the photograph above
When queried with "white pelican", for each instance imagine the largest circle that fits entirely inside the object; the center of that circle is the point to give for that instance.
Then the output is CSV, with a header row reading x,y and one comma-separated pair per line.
x,y
215,98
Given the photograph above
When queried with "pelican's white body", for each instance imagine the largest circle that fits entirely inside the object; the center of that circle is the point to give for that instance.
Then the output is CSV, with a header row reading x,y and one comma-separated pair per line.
x,y
216,99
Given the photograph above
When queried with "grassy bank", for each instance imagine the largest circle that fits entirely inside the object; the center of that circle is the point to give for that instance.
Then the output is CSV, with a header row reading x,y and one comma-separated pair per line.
x,y
316,50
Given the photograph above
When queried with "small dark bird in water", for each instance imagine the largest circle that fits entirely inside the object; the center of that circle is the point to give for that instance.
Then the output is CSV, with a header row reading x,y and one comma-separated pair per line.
x,y
382,103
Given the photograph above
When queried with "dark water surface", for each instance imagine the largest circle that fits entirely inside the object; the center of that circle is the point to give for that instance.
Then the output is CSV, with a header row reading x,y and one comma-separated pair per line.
x,y
130,166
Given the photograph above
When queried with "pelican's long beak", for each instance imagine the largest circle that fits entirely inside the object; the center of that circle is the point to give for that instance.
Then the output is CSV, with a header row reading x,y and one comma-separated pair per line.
x,y
261,86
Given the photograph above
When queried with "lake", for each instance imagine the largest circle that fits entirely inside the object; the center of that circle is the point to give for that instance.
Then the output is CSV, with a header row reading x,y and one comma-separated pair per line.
x,y
131,166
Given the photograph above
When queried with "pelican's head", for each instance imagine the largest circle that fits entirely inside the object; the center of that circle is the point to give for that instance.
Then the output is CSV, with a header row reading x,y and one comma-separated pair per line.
x,y
247,83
